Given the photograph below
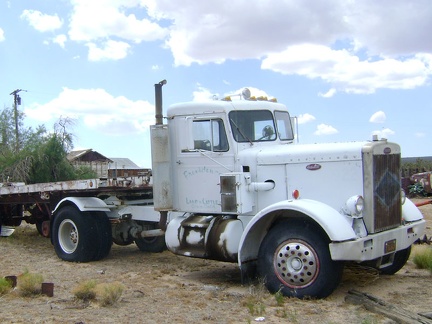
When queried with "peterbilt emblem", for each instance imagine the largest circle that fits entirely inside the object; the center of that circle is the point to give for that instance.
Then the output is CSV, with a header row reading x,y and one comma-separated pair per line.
x,y
387,150
313,167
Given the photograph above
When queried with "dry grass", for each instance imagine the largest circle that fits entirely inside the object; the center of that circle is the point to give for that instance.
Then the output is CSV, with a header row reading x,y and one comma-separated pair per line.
x,y
85,290
109,294
29,284
422,257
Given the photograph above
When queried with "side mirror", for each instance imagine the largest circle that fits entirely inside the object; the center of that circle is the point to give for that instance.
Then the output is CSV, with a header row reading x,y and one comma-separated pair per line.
x,y
185,135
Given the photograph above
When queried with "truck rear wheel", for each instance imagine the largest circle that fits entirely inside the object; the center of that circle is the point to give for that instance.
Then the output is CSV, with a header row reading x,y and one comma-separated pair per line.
x,y
295,260
155,244
75,235
104,235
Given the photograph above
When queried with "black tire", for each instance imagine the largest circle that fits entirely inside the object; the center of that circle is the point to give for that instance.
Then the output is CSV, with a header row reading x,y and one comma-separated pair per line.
x,y
295,260
155,244
401,257
104,235
75,236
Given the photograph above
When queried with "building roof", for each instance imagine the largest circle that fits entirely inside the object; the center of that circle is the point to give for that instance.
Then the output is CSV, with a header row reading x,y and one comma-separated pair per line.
x,y
123,163
87,155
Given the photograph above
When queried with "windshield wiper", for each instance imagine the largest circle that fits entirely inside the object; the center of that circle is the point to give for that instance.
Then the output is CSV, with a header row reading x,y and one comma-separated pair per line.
x,y
240,132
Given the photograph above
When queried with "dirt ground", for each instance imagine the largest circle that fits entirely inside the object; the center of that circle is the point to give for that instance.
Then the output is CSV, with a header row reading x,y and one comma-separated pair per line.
x,y
162,288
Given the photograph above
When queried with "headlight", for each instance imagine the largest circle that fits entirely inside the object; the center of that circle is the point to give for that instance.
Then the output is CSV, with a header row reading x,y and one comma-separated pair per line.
x,y
354,205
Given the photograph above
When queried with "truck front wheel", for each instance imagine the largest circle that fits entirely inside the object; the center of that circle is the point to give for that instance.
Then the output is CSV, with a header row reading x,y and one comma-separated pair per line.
x,y
295,260
75,235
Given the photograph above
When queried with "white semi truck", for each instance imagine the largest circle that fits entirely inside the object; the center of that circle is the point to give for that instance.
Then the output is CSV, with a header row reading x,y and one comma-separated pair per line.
x,y
228,183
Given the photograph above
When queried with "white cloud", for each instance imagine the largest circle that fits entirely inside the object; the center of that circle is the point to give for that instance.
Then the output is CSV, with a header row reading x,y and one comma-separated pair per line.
x,y
323,129
397,27
420,134
261,28
98,110
354,47
346,72
42,22
111,50
202,94
305,118
328,94
2,36
101,19
379,117
383,133
109,30
60,40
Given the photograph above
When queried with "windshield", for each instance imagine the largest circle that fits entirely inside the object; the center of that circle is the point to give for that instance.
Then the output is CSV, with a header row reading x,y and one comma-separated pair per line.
x,y
258,125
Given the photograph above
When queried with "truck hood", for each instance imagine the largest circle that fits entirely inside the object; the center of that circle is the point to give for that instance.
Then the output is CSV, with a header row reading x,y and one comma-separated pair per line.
x,y
302,153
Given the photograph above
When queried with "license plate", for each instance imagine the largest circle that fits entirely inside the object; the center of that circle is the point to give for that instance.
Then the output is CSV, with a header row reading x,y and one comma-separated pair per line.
x,y
390,246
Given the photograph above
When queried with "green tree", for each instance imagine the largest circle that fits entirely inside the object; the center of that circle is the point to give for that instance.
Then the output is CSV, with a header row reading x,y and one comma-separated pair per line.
x,y
42,156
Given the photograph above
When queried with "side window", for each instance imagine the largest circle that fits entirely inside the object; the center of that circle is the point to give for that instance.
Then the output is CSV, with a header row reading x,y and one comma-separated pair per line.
x,y
284,127
209,135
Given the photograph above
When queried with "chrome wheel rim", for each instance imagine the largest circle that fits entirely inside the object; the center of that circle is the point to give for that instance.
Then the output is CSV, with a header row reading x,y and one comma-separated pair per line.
x,y
68,236
296,263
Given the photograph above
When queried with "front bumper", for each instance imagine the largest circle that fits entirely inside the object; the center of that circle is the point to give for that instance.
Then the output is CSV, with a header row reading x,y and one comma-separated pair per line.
x,y
377,245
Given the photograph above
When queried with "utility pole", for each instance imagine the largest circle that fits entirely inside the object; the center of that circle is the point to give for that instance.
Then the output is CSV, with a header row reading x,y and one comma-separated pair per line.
x,y
17,102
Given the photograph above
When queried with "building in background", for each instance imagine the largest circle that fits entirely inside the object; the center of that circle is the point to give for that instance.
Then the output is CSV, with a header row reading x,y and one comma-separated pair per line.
x,y
92,159
106,167
124,167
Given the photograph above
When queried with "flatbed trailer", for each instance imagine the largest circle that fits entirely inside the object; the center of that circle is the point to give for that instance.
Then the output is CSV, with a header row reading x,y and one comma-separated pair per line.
x,y
116,210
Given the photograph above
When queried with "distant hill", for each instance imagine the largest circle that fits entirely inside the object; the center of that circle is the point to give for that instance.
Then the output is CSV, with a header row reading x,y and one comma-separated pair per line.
x,y
414,159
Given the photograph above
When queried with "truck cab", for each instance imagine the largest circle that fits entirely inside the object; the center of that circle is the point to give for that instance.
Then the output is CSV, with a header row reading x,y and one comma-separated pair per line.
x,y
244,192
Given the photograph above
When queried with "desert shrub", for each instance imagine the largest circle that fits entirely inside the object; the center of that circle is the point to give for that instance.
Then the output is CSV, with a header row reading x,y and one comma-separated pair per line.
x,y
417,189
423,257
85,290
5,286
109,293
29,284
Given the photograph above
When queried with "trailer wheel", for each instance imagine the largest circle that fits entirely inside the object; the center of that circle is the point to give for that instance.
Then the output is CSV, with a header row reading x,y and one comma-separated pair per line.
x,y
295,260
104,235
75,235
400,258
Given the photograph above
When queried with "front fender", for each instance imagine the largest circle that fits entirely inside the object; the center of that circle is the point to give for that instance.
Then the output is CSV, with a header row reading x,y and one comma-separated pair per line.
x,y
410,212
335,225
84,204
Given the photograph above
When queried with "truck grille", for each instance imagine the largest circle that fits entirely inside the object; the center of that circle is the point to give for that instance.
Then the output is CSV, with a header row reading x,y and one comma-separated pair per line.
x,y
386,192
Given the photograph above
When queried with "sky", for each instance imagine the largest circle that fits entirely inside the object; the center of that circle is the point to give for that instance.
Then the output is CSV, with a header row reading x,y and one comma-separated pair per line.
x,y
347,69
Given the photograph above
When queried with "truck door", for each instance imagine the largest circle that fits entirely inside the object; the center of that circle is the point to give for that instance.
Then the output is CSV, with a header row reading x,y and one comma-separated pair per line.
x,y
200,163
